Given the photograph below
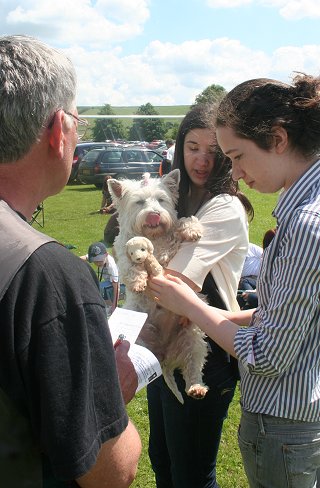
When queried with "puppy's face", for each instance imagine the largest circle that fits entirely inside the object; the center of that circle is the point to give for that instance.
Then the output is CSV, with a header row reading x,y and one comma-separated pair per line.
x,y
137,252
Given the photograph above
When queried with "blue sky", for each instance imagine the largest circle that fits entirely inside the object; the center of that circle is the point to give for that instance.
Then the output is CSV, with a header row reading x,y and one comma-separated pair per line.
x,y
166,52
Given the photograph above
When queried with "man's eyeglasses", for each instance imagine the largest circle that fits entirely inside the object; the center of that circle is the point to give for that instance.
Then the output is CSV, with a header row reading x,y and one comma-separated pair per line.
x,y
82,124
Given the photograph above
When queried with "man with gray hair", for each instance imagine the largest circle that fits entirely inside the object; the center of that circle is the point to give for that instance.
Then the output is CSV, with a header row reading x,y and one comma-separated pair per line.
x,y
62,414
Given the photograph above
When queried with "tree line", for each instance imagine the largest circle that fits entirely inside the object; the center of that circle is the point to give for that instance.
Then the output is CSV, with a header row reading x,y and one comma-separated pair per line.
x,y
146,129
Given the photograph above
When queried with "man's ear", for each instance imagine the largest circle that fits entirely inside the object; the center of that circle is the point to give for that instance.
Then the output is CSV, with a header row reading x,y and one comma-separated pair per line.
x,y
280,137
56,134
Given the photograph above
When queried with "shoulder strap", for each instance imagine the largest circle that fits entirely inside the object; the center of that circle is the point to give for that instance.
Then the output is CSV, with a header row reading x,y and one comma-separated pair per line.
x,y
18,240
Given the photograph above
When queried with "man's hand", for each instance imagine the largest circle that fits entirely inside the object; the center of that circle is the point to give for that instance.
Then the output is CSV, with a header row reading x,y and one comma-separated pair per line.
x,y
126,372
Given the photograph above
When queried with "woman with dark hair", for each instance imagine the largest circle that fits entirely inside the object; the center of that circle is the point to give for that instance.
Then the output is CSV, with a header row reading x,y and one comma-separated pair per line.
x,y
184,438
271,132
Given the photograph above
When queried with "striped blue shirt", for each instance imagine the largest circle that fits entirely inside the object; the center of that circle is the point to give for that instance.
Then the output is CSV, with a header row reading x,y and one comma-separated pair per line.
x,y
279,354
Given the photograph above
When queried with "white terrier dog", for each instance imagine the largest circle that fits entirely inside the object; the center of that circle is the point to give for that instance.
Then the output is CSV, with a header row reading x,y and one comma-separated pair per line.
x,y
147,208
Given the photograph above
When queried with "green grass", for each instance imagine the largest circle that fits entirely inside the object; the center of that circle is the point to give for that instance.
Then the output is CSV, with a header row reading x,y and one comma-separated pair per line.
x,y
71,217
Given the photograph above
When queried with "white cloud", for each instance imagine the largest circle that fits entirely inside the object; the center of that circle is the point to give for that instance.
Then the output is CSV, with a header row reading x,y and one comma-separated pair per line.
x,y
288,9
83,22
163,73
305,59
297,9
174,74
124,10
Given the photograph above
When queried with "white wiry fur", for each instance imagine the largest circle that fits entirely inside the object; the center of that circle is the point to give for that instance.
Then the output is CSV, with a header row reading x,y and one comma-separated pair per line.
x,y
147,208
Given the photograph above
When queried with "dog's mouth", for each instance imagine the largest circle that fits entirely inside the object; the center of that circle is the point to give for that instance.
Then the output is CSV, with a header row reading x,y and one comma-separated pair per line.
x,y
152,224
153,227
153,219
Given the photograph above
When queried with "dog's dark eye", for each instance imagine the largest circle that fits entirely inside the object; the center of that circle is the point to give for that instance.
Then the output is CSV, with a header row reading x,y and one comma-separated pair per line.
x,y
142,249
140,202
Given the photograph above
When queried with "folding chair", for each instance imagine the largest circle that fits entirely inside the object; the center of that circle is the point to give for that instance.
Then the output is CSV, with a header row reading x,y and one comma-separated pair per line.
x,y
38,215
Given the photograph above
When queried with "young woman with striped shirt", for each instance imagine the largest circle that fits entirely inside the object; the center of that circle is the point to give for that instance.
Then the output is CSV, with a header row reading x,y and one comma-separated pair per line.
x,y
271,132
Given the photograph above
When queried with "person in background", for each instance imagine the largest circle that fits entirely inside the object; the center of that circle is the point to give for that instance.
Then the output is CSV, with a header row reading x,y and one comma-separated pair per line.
x,y
271,132
108,274
167,163
184,439
267,238
171,145
249,273
111,231
62,414
106,203
247,294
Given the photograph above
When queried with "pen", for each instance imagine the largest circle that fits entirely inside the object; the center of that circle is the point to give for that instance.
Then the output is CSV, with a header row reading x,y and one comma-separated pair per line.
x,y
120,339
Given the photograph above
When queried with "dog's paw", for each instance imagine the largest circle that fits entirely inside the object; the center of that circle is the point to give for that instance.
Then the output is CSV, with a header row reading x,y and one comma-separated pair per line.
x,y
193,236
195,233
189,229
198,392
139,287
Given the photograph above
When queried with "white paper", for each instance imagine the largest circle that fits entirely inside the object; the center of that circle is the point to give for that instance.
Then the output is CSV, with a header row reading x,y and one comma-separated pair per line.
x,y
129,323
126,322
145,363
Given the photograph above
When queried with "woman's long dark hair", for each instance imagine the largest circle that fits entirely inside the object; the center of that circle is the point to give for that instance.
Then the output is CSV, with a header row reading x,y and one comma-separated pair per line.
x,y
203,116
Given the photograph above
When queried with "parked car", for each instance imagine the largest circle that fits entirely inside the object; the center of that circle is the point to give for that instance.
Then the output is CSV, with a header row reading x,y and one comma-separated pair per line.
x,y
81,149
118,162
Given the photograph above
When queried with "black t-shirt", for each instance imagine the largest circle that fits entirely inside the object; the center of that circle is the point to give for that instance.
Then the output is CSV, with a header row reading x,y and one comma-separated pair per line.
x,y
57,360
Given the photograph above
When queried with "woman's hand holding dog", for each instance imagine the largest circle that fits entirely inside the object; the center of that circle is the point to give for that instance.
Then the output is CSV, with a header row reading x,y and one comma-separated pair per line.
x,y
172,293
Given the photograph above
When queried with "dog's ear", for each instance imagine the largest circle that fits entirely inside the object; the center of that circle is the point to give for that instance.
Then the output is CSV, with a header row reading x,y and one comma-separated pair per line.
x,y
173,175
115,188
171,181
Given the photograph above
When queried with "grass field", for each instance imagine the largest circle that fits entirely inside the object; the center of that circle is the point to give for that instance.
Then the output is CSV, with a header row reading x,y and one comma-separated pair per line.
x,y
162,110
72,218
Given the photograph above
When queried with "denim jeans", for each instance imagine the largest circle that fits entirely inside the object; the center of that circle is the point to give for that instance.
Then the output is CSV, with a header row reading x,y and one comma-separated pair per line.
x,y
279,453
184,439
247,283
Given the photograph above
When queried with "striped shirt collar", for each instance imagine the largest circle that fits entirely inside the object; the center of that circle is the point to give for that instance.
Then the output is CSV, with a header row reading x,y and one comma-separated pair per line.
x,y
297,193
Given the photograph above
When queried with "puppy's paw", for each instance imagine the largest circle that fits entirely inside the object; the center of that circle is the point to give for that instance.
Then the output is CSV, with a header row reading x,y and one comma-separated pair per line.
x,y
198,392
139,287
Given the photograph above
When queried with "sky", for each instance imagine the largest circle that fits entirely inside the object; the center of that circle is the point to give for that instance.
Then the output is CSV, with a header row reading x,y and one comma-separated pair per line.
x,y
166,52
